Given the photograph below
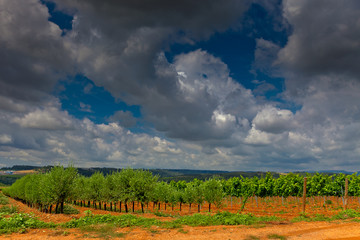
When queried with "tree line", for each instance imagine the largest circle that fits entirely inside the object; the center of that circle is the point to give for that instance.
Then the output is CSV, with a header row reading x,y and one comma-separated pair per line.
x,y
121,189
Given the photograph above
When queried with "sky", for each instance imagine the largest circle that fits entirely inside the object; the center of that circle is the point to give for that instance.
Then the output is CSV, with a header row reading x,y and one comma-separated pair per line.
x,y
251,85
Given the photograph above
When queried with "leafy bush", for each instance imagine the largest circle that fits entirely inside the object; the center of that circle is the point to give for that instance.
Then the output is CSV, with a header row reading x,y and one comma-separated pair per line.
x,y
119,221
19,222
8,209
223,218
3,199
346,214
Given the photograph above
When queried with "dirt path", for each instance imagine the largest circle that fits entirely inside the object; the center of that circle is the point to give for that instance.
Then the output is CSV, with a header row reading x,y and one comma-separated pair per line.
x,y
317,230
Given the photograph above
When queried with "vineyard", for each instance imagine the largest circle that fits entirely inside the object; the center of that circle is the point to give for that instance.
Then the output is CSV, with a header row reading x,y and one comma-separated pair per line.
x,y
136,190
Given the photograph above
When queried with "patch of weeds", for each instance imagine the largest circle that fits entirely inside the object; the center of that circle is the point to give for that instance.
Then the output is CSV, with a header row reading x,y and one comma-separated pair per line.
x,y
60,233
103,231
8,209
20,222
276,236
258,225
161,214
346,214
320,217
69,210
223,218
3,199
153,231
252,237
181,230
118,221
328,202
303,217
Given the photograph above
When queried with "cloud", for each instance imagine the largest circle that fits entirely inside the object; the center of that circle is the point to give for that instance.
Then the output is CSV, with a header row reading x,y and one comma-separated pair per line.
x,y
85,107
33,54
274,120
324,39
4,139
125,119
265,55
47,119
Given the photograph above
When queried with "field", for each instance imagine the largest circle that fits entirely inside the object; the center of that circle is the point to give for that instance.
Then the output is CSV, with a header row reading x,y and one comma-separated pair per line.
x,y
289,224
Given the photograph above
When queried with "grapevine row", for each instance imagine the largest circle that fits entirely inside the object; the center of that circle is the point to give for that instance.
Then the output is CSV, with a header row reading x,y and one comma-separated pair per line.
x,y
119,189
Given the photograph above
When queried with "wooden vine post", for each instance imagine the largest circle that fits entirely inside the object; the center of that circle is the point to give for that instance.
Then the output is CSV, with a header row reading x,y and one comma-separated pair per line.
x,y
346,193
304,195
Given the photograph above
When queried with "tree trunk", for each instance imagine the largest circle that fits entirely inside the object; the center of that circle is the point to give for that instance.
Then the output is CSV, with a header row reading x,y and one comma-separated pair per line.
x,y
56,208
50,209
180,206
142,207
111,206
198,207
120,206
100,205
189,207
133,206
62,207
209,207
126,207
105,206
159,206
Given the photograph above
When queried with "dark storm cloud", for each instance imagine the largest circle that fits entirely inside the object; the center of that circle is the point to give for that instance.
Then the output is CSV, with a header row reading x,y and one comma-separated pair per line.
x,y
198,18
32,55
325,37
120,47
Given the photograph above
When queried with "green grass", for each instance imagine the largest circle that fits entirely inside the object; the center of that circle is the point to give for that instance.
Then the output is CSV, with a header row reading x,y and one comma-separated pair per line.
x,y
118,221
252,237
8,209
222,218
3,199
102,231
129,220
276,236
161,214
20,222
346,214
181,230
343,215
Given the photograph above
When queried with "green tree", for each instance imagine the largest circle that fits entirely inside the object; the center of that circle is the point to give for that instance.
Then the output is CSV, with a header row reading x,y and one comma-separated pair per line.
x,y
213,192
96,188
141,186
61,183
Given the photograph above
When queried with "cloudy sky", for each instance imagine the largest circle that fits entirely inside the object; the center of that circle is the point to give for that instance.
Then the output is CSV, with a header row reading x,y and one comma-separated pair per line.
x,y
226,85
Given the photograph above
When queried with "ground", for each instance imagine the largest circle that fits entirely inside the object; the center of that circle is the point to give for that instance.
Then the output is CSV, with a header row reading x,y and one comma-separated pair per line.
x,y
340,230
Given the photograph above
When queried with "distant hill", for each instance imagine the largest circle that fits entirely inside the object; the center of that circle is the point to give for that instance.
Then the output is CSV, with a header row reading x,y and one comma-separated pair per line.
x,y
164,174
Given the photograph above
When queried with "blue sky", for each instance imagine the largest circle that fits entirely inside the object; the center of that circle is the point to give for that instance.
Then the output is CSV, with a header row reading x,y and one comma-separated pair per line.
x,y
231,85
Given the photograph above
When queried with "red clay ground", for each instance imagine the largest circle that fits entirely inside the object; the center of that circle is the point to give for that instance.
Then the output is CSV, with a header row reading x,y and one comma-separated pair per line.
x,y
274,206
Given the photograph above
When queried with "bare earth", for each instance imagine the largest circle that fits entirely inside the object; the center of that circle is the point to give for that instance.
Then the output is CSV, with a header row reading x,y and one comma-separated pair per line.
x,y
315,230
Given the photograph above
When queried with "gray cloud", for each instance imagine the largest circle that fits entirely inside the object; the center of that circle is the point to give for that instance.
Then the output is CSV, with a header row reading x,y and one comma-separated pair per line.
x,y
125,119
325,37
33,54
202,117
